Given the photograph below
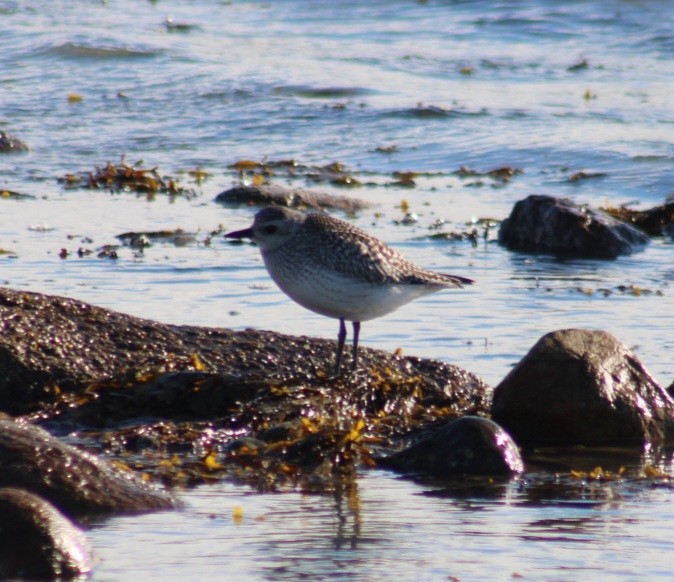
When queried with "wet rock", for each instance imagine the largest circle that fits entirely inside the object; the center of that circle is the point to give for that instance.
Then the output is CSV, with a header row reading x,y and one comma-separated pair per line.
x,y
544,224
12,195
10,144
76,482
276,195
141,240
584,387
301,432
37,541
657,221
182,394
470,445
52,346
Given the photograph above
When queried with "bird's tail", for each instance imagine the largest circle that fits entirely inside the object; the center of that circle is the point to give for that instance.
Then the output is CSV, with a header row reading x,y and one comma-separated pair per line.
x,y
439,279
459,281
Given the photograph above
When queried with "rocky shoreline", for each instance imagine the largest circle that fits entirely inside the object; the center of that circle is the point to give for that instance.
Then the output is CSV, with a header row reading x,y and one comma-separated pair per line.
x,y
105,413
259,407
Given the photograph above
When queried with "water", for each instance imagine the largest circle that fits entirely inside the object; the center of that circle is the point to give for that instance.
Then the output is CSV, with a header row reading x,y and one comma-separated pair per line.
x,y
386,526
548,87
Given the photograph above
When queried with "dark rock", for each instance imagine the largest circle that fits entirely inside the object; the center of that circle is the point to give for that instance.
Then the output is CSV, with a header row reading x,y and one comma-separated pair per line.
x,y
76,482
275,195
141,240
173,391
544,224
37,541
12,195
174,395
657,221
53,346
582,387
470,445
10,144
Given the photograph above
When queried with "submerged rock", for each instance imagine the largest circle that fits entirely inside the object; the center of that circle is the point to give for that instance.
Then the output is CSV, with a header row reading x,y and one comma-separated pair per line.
x,y
76,482
37,541
470,445
276,195
10,144
582,387
544,224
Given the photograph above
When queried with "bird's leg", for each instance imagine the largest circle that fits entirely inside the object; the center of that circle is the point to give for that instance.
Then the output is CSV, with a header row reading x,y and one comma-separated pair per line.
x,y
356,333
341,338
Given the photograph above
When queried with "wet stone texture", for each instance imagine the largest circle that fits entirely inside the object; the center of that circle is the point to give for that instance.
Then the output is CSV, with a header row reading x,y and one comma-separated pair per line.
x,y
544,224
582,387
657,221
76,482
276,195
186,405
470,445
10,143
37,541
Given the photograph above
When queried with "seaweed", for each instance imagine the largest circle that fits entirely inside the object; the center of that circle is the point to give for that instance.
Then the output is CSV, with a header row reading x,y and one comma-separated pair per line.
x,y
125,177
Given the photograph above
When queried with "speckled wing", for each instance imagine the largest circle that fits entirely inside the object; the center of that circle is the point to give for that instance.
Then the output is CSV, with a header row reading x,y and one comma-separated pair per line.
x,y
354,253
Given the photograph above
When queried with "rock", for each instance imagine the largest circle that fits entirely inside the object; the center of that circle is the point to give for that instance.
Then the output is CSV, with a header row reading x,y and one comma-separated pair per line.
x,y
51,347
175,395
135,385
37,541
544,224
582,387
76,482
11,144
470,445
275,195
657,221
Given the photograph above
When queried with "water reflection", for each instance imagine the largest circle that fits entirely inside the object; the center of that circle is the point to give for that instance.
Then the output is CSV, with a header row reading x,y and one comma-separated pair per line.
x,y
484,489
537,526
565,529
347,512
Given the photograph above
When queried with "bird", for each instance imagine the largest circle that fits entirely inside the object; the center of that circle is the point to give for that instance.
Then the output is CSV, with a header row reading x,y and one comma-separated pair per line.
x,y
335,269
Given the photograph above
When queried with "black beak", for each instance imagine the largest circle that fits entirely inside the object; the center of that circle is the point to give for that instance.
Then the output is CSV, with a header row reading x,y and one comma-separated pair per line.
x,y
245,233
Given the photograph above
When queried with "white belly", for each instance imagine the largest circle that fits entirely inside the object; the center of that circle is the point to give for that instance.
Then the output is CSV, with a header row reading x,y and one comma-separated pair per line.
x,y
334,295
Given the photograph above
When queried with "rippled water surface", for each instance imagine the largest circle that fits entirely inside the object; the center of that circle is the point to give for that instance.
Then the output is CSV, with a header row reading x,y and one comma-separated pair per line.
x,y
550,88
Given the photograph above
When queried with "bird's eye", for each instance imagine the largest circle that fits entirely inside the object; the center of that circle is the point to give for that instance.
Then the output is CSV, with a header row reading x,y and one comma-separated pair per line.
x,y
270,229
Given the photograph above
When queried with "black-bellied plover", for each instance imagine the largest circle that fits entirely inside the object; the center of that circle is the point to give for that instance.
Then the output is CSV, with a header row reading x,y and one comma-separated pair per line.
x,y
333,268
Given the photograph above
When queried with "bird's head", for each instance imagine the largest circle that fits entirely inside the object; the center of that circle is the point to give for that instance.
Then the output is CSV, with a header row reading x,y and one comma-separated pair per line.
x,y
271,228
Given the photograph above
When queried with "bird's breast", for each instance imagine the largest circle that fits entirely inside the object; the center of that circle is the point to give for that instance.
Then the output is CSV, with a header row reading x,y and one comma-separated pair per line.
x,y
332,294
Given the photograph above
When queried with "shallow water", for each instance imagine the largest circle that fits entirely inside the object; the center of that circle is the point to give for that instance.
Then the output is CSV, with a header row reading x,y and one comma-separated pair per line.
x,y
548,87
386,527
